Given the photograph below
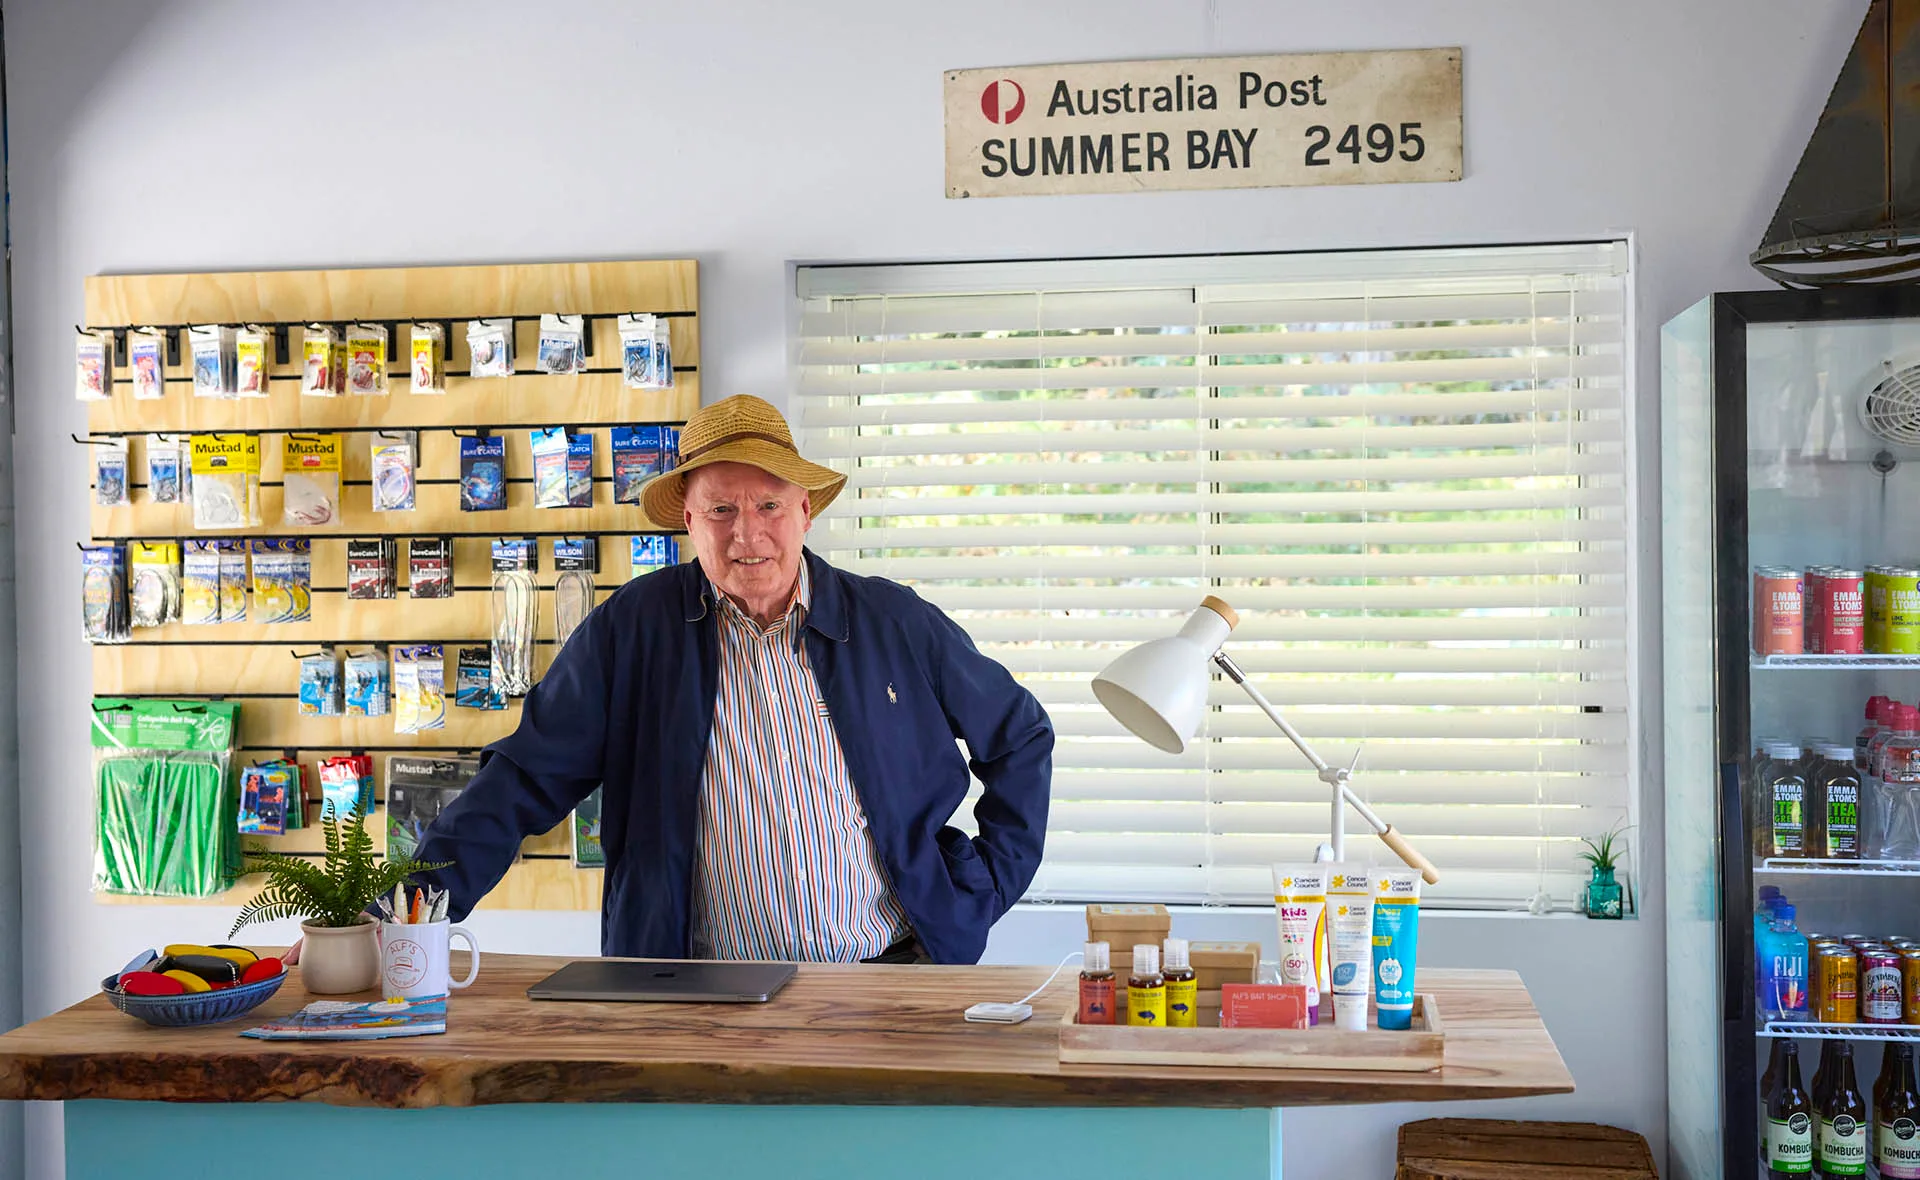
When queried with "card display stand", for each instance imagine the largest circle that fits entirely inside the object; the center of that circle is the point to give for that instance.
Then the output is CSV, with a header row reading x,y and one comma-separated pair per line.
x,y
254,663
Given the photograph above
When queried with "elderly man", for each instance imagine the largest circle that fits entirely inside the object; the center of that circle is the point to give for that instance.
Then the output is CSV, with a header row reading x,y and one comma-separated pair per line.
x,y
775,738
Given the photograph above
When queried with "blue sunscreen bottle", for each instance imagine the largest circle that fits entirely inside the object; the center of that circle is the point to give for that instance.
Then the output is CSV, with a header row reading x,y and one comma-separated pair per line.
x,y
1396,945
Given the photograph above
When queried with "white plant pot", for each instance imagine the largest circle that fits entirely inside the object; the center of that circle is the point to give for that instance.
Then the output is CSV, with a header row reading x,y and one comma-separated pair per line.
x,y
336,960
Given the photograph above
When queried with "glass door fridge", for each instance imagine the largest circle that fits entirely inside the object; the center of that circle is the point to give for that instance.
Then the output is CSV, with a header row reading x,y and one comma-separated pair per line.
x,y
1790,426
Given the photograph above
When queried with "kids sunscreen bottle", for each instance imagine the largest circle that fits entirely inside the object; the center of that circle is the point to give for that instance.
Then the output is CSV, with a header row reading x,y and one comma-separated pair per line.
x,y
1300,901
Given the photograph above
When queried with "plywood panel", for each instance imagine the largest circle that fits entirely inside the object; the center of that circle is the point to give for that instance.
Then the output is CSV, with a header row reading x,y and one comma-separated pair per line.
x,y
537,883
464,618
439,457
436,511
472,570
311,840
178,378
527,399
253,662
273,722
242,673
394,293
546,884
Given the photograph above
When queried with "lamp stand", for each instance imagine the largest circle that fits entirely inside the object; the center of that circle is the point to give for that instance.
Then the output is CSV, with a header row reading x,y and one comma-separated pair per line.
x,y
1335,777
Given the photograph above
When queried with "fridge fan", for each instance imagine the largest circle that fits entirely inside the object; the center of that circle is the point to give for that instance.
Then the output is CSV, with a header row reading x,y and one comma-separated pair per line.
x,y
1891,409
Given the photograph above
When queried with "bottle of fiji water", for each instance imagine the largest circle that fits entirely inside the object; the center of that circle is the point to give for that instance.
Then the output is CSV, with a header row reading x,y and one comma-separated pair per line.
x,y
1769,898
1784,969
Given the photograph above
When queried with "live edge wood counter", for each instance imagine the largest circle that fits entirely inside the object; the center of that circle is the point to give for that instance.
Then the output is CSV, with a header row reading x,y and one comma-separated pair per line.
x,y
838,1035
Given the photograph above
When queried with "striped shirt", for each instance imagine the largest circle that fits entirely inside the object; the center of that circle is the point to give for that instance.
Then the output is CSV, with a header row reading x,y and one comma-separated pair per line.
x,y
785,866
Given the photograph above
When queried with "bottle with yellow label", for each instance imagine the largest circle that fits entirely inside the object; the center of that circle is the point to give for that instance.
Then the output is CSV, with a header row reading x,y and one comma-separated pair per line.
x,y
1146,989
1183,987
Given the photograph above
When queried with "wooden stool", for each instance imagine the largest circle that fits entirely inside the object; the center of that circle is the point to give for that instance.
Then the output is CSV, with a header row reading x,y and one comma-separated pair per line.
x,y
1496,1149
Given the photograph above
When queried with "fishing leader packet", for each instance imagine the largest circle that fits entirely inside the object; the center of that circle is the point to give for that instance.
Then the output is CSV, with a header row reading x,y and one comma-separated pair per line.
x,y
226,481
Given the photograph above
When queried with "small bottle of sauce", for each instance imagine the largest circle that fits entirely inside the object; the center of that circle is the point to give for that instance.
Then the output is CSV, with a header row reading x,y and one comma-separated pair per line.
x,y
1147,989
1096,986
1183,996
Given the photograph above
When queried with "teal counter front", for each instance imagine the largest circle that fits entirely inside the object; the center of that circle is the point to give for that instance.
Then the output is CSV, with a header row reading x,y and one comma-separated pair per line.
x,y
851,1072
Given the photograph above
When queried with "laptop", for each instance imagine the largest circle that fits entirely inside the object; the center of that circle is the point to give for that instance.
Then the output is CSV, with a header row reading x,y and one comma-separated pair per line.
x,y
664,981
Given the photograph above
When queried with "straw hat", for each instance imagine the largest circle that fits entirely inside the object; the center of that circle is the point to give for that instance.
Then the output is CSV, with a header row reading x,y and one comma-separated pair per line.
x,y
741,429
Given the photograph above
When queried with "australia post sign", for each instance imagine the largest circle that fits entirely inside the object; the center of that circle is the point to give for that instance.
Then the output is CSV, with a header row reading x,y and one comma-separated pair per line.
x,y
1204,122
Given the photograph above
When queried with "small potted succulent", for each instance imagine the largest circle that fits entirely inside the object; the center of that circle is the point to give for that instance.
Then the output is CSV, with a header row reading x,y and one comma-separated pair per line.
x,y
1603,892
339,952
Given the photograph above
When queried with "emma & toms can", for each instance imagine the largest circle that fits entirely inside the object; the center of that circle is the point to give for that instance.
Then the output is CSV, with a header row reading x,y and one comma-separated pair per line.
x,y
1779,621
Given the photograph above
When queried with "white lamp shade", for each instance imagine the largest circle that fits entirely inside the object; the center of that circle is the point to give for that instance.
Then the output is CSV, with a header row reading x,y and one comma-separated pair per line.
x,y
1158,690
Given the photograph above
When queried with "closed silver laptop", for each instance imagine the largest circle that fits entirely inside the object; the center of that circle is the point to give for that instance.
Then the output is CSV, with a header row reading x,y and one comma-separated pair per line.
x,y
664,981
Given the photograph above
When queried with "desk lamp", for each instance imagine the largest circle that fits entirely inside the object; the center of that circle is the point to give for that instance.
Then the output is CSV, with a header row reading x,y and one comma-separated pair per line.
x,y
1158,690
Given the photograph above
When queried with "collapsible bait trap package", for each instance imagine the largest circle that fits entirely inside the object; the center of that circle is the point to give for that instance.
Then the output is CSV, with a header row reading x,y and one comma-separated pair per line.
x,y
165,807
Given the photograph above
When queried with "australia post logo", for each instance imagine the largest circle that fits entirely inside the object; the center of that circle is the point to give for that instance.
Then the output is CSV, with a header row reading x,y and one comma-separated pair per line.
x,y
1002,101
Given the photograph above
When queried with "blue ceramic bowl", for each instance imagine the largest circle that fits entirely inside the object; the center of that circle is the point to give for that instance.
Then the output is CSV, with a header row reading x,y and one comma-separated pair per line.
x,y
194,1008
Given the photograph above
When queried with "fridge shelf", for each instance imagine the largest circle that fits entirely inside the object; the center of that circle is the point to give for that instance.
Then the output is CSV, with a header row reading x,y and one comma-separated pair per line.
x,y
1839,868
1832,662
1839,1032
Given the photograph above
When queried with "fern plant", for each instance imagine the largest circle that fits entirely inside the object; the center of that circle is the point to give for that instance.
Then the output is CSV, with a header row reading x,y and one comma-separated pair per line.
x,y
335,891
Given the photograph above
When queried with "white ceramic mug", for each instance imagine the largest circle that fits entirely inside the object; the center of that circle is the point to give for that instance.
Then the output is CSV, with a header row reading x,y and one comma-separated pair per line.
x,y
415,958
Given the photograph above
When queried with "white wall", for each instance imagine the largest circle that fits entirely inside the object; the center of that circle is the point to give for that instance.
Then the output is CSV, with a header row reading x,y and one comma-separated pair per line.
x,y
148,136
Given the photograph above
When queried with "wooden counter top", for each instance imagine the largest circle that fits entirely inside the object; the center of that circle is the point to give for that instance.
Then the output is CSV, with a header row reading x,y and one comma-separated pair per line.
x,y
836,1035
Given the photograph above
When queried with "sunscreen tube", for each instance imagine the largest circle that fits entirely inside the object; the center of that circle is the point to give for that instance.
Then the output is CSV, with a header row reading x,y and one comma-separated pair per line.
x,y
1396,944
1300,900
1350,925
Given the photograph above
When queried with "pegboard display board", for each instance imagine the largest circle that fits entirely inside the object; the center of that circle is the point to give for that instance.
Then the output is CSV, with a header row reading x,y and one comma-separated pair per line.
x,y
254,663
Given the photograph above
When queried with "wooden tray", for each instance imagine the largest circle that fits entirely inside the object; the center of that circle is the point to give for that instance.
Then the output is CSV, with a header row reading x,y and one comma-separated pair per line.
x,y
1414,1051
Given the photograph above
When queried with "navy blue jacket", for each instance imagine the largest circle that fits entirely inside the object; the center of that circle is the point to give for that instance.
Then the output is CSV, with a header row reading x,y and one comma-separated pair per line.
x,y
629,703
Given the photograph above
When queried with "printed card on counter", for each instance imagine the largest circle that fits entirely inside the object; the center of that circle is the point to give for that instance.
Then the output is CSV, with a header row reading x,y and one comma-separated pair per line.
x,y
335,1020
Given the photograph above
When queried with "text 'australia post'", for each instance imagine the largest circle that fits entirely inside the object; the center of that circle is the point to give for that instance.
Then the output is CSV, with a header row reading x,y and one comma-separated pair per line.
x,y
1334,118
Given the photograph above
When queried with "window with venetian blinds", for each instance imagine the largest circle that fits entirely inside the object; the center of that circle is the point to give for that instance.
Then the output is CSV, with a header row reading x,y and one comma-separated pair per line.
x,y
1406,469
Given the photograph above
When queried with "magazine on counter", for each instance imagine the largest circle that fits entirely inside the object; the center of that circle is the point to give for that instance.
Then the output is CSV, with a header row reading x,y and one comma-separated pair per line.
x,y
335,1020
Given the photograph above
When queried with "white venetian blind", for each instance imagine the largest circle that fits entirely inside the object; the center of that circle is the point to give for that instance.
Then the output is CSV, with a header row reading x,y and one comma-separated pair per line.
x,y
1405,469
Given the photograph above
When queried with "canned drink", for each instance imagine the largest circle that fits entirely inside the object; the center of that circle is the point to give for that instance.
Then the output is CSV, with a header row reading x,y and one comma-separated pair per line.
x,y
1779,619
1837,1000
1816,979
1903,611
1876,609
1882,988
1910,982
1812,599
1841,629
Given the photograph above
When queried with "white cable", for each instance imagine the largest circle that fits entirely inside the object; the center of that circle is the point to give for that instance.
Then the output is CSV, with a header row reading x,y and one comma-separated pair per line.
x,y
1028,998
